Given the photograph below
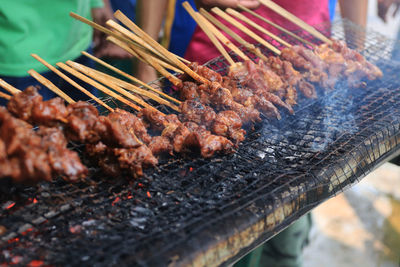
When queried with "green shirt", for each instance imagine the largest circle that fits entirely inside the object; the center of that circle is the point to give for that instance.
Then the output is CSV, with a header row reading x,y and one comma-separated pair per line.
x,y
43,27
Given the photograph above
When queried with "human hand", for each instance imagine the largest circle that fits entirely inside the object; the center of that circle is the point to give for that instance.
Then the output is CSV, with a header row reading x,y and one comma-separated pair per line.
x,y
384,6
101,47
207,4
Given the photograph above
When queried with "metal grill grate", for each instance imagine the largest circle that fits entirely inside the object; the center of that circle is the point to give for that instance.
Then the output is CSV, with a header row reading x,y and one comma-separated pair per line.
x,y
190,211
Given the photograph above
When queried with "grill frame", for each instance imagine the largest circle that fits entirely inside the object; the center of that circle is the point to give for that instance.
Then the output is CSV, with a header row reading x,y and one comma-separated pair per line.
x,y
228,229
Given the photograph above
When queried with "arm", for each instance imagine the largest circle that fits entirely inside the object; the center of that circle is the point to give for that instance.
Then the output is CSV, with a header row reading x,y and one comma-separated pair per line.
x,y
103,48
150,17
355,11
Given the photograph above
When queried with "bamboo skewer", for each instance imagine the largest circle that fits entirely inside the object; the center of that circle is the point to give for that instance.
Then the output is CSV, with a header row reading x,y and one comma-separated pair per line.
x,y
222,38
275,25
11,89
208,32
135,38
97,85
174,80
51,86
72,82
241,27
132,26
234,35
130,77
5,96
88,72
137,90
256,26
302,24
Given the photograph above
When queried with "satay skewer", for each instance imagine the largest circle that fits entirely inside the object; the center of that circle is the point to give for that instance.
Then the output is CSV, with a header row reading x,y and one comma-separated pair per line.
x,y
244,29
130,77
302,24
256,26
97,85
50,85
8,87
133,27
137,90
5,96
89,72
250,47
222,37
275,25
145,57
72,82
208,32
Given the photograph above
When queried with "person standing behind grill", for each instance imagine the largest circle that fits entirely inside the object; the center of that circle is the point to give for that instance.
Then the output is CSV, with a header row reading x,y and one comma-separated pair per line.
x,y
183,37
44,27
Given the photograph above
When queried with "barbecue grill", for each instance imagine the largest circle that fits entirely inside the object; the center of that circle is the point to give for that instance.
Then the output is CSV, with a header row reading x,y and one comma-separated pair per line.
x,y
201,212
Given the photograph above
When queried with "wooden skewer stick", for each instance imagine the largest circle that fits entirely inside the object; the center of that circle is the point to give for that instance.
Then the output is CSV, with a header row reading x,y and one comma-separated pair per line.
x,y
250,47
132,26
72,82
124,31
256,26
97,85
136,90
11,89
130,77
275,25
174,80
302,24
241,27
222,37
5,96
208,32
51,86
87,71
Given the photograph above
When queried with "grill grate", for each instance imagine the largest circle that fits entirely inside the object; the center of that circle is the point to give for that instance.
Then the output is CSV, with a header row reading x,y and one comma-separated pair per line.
x,y
191,211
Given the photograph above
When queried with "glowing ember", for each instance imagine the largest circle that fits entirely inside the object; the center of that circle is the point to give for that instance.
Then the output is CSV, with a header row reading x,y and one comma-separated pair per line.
x,y
129,196
75,229
34,200
140,184
10,206
35,263
117,199
13,240
148,194
190,169
27,231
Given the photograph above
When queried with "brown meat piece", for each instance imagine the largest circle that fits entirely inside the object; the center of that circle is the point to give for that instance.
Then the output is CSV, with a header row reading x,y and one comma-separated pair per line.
x,y
21,104
83,123
49,113
160,145
121,130
135,159
206,72
228,124
194,111
207,143
189,91
24,151
63,161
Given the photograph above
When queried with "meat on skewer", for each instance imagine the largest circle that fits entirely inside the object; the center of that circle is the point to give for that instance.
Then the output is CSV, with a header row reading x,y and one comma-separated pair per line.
x,y
29,156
